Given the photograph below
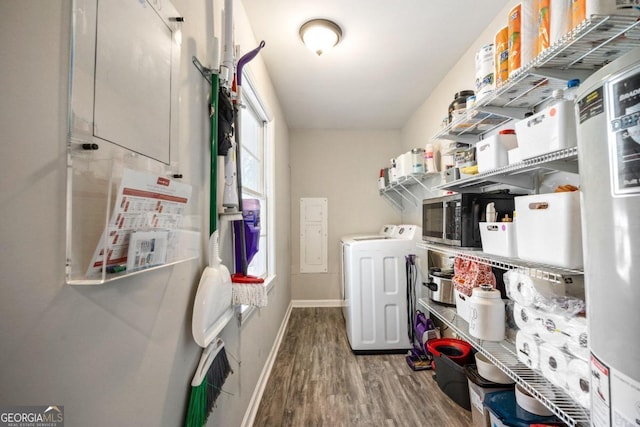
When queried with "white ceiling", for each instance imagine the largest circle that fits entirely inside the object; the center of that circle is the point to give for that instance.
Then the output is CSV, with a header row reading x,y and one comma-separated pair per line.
x,y
391,56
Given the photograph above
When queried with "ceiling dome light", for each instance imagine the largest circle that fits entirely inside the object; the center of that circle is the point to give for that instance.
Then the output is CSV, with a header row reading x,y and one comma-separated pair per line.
x,y
320,35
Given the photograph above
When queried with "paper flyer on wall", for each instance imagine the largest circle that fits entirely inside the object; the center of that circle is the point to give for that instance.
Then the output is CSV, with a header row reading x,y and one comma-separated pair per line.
x,y
144,224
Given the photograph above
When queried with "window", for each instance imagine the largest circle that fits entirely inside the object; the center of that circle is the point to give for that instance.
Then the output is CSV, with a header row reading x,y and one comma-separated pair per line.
x,y
256,159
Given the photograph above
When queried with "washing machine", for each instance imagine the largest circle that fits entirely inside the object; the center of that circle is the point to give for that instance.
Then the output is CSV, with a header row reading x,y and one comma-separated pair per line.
x,y
385,232
374,289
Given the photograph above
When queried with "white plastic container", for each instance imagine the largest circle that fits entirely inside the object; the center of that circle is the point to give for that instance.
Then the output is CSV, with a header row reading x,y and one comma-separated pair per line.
x,y
549,229
499,238
491,153
486,314
514,156
403,164
551,129
462,305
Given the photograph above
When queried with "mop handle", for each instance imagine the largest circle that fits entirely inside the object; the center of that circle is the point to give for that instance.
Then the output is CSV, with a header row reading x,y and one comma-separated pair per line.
x,y
245,59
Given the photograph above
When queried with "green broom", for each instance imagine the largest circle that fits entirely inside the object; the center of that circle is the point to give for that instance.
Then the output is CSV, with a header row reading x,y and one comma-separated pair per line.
x,y
212,372
213,367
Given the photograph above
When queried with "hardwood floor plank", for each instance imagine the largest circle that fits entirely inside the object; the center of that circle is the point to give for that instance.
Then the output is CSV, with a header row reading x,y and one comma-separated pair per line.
x,y
316,380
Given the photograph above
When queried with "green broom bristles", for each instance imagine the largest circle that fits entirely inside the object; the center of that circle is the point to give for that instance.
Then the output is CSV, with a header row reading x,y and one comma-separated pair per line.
x,y
204,395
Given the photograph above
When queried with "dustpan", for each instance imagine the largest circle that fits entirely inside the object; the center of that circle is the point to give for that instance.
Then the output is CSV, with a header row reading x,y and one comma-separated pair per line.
x,y
212,309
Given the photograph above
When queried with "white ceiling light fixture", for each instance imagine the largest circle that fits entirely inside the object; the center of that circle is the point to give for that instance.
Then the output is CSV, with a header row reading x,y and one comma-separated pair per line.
x,y
320,35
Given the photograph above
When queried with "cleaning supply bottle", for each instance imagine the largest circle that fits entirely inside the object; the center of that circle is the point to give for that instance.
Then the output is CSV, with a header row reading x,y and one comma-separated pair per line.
x,y
572,88
429,161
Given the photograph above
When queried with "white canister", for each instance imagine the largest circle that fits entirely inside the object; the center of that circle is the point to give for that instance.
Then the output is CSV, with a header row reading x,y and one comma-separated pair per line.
x,y
485,72
486,314
417,160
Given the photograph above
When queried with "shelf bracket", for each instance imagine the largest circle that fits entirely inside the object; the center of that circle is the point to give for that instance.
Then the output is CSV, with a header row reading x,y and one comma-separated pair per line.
x,y
563,165
559,74
206,72
402,195
390,199
509,112
466,138
522,181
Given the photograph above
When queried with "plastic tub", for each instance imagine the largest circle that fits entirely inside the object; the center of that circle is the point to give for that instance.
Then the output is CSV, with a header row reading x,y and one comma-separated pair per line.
x,y
452,380
549,229
462,305
478,389
504,411
499,238
490,372
457,350
491,153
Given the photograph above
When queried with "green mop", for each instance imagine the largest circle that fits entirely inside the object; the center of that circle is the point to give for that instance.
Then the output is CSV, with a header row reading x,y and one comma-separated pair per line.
x,y
213,367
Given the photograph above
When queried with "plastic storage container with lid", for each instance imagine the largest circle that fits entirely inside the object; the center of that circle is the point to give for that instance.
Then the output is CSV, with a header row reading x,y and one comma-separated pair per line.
x,y
459,104
492,152
504,411
486,314
478,389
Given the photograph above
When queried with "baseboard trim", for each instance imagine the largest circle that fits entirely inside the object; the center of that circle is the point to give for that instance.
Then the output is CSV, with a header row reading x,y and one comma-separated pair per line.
x,y
298,303
256,397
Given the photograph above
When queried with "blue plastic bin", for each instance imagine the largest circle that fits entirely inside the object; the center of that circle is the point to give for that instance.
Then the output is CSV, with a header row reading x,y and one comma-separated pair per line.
x,y
504,411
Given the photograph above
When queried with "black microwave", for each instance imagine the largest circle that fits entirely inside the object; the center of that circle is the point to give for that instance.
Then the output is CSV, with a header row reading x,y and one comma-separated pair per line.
x,y
454,220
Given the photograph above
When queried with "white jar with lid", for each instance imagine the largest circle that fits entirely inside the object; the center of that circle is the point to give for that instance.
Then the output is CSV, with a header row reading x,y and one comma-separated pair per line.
x,y
486,314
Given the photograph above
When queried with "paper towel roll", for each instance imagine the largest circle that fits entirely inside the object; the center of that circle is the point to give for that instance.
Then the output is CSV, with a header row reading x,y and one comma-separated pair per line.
x,y
578,378
501,47
553,364
578,338
544,25
523,34
527,349
581,9
552,329
526,318
560,19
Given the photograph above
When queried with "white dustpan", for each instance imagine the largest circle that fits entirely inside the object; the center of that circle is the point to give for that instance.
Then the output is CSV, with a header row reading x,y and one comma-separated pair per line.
x,y
212,309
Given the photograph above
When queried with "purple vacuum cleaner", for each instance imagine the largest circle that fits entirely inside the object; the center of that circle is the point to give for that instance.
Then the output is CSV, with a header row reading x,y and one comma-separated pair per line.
x,y
418,357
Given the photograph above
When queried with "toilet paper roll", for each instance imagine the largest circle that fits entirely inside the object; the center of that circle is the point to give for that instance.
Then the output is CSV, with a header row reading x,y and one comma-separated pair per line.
x,y
526,318
578,382
520,288
554,364
527,349
529,291
552,329
578,337
560,19
523,34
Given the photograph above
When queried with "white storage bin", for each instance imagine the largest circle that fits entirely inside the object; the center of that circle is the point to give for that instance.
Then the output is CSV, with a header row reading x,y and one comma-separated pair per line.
x,y
514,156
491,153
549,229
462,305
551,129
499,238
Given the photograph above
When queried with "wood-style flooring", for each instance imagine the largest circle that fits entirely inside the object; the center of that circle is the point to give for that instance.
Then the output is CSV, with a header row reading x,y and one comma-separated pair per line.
x,y
317,381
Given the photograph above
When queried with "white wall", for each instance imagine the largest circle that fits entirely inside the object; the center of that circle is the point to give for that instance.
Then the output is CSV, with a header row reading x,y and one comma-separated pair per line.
x,y
342,166
120,353
425,121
